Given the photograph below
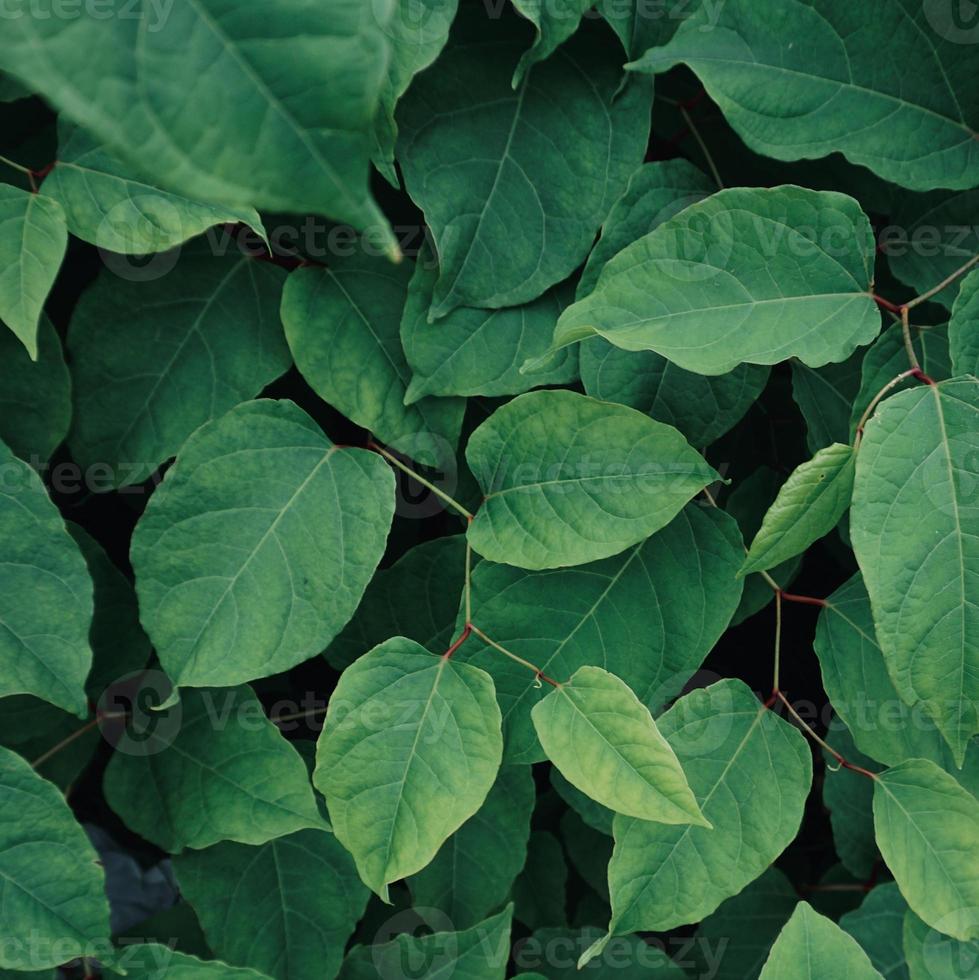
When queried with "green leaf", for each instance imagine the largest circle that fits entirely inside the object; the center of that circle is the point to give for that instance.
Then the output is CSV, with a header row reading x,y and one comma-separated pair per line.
x,y
54,905
555,953
833,94
593,814
343,327
33,239
258,546
809,505
928,831
417,597
128,74
849,797
700,291
45,595
963,328
554,154
750,772
478,352
540,891
915,531
286,908
650,615
568,479
150,961
473,871
733,942
589,851
554,23
211,768
109,205
153,361
812,947
35,395
825,397
478,953
410,748
605,742
933,956
641,25
877,926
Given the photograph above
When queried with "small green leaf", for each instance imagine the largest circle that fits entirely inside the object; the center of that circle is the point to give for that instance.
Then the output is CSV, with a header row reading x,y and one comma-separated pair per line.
x,y
605,742
554,22
812,947
410,748
54,905
963,328
808,506
928,831
33,239
211,768
286,908
877,925
568,479
236,587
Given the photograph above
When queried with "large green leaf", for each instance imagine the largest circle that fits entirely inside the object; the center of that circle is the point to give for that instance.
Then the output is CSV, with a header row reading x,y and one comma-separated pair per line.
x,y
108,204
478,352
878,925
35,395
554,22
153,361
212,768
809,505
847,89
256,549
478,157
915,531
127,73
605,742
410,748
750,772
286,908
474,869
963,328
45,595
33,239
153,961
700,288
933,956
53,890
568,479
812,947
928,831
343,326
649,615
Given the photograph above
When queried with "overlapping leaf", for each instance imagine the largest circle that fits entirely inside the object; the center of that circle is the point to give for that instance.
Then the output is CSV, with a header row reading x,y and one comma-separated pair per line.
x,y
963,328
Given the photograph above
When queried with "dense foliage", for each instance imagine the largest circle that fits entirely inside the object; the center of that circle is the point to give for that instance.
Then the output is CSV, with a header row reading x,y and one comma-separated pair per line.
x,y
489,487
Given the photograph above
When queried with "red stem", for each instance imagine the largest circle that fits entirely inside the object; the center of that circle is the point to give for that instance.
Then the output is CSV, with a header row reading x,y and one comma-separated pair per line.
x,y
806,600
887,304
466,633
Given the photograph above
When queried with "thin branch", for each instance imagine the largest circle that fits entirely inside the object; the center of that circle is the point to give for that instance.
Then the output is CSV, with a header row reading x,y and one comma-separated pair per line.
x,y
778,639
541,676
463,636
806,600
65,742
908,342
881,395
947,281
26,171
441,494
702,145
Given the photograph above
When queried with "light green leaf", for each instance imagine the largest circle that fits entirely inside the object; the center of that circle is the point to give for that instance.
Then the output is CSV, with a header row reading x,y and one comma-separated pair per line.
x,y
700,290
932,956
750,772
809,505
844,90
553,155
474,869
478,352
568,479
825,397
151,961
153,361
915,531
33,239
554,22
877,925
343,327
849,797
540,891
417,597
650,616
258,546
410,748
109,205
555,953
286,908
53,891
35,395
478,953
211,768
733,942
605,742
127,74
45,595
928,831
812,947
963,328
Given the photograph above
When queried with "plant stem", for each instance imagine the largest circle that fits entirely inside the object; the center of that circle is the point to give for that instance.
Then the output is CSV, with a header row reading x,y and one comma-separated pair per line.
x,y
467,588
441,494
948,280
463,636
908,342
778,639
520,660
876,400
26,171
702,145
806,600
65,742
